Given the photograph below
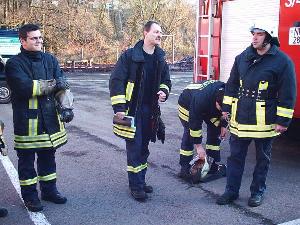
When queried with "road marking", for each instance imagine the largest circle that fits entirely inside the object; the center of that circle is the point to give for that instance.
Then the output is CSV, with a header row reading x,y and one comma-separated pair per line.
x,y
36,217
293,222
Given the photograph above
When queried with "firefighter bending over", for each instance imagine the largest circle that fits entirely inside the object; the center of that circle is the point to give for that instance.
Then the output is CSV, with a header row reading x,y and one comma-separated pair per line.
x,y
38,87
260,95
197,103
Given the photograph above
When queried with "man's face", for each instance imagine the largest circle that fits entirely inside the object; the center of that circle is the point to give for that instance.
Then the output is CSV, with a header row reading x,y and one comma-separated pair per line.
x,y
33,42
258,39
153,36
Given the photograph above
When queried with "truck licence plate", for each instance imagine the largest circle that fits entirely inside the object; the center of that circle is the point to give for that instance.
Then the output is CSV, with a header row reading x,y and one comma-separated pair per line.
x,y
294,36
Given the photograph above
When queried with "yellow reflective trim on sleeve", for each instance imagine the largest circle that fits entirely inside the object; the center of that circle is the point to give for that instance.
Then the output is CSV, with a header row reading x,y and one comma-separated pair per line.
x,y
261,113
129,90
186,152
183,113
213,147
36,88
215,121
285,112
48,177
196,133
28,182
164,87
118,99
137,169
263,85
227,100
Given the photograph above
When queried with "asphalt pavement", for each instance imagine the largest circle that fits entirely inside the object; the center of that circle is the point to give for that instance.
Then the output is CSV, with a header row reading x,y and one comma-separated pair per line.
x,y
92,173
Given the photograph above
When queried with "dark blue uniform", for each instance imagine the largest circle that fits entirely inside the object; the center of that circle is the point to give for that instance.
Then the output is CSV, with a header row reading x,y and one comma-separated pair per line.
x,y
260,93
197,103
37,126
134,84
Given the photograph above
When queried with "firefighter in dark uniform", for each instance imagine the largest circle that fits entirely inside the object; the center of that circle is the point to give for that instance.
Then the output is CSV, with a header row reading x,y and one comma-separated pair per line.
x,y
197,103
34,78
140,79
260,96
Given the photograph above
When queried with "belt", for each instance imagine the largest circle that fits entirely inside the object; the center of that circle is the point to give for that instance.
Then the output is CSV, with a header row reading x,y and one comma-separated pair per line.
x,y
257,94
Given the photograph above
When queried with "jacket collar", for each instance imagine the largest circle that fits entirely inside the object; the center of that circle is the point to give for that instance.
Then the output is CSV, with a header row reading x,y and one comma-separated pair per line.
x,y
138,55
252,54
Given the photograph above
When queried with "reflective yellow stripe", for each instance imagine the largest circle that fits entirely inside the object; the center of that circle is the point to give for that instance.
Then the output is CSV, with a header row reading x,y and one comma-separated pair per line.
x,y
213,147
246,127
183,113
195,133
58,135
36,88
200,86
61,125
253,134
118,99
60,141
261,113
32,127
227,100
42,137
129,90
28,182
183,110
285,112
33,103
263,85
186,153
164,87
137,169
233,109
48,177
215,121
124,131
183,117
44,144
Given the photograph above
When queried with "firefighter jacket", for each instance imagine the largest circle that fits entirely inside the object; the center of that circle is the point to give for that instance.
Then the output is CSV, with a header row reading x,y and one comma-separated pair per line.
x,y
197,103
126,84
260,92
37,124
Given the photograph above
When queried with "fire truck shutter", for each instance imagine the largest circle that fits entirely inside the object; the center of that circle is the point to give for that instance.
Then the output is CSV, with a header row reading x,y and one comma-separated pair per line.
x,y
237,18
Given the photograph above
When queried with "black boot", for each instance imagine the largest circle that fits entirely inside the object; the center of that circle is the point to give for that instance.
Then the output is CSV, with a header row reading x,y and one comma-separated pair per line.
x,y
255,200
3,212
185,174
148,188
140,196
33,205
226,198
54,197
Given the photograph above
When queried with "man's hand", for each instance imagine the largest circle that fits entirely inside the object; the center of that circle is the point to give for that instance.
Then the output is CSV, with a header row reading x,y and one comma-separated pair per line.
x,y
120,115
225,116
161,96
47,86
223,133
280,129
200,151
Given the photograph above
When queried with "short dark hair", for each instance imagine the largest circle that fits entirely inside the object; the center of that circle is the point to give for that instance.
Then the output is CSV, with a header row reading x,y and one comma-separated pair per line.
x,y
148,25
27,28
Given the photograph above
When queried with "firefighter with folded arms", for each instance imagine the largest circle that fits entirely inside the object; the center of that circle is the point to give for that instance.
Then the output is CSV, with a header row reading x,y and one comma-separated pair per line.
x,y
40,105
197,103
260,96
3,151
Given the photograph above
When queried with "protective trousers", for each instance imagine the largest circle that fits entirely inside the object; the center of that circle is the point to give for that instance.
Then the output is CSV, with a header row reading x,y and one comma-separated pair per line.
x,y
46,172
137,150
212,144
236,164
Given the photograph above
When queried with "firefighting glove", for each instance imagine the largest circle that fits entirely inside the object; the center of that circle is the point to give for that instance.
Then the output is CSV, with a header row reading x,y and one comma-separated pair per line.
x,y
47,86
3,149
61,84
161,130
65,101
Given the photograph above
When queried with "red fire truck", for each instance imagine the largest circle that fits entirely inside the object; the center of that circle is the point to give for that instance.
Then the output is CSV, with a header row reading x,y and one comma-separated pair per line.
x,y
222,32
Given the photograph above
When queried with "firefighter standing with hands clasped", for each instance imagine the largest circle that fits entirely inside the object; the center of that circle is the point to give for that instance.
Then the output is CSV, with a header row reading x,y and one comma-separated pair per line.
x,y
260,96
